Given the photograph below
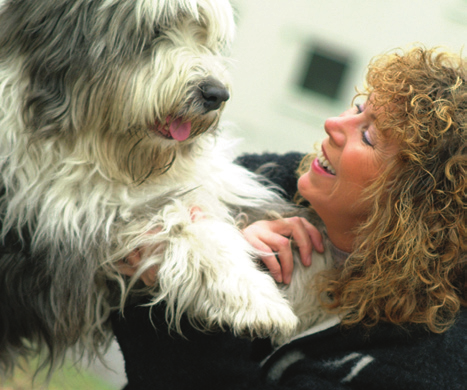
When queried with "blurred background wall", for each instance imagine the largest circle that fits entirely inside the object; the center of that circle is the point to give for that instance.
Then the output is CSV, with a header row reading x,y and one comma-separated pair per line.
x,y
297,62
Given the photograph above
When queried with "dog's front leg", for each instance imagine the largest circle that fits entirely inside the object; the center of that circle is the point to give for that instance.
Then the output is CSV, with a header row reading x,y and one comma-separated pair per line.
x,y
208,272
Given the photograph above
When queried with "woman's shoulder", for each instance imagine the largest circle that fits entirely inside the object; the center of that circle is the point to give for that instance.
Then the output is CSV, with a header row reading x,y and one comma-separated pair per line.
x,y
280,169
254,161
400,357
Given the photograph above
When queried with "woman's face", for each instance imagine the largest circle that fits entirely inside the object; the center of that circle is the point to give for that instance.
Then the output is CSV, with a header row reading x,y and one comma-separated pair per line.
x,y
351,157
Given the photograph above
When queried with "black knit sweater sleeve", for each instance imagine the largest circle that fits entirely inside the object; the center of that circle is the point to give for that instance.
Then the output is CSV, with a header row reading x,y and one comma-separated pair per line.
x,y
280,169
158,359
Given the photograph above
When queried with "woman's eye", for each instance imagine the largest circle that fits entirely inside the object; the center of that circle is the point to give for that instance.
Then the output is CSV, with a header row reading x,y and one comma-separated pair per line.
x,y
359,108
366,138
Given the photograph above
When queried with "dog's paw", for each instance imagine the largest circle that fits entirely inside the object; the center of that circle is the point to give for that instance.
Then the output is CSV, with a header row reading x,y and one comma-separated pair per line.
x,y
211,274
253,307
267,319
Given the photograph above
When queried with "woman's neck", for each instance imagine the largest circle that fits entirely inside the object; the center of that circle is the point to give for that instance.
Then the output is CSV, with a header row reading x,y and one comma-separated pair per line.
x,y
338,255
343,241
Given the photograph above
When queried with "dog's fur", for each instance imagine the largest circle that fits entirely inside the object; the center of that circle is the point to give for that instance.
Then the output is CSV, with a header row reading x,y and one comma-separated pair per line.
x,y
89,173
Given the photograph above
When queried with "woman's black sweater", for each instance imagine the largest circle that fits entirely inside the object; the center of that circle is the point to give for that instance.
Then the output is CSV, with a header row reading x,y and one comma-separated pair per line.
x,y
328,357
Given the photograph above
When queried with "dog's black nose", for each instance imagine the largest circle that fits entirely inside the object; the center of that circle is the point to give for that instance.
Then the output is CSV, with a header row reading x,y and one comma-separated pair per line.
x,y
214,94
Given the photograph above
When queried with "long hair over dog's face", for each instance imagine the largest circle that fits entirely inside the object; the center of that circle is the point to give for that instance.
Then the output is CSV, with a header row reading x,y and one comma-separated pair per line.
x,y
119,79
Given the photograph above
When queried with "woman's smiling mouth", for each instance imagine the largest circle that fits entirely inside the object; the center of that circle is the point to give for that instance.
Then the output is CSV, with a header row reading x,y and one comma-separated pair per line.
x,y
324,163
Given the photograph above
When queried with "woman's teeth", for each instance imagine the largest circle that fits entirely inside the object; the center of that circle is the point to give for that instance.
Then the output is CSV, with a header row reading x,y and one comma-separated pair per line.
x,y
325,163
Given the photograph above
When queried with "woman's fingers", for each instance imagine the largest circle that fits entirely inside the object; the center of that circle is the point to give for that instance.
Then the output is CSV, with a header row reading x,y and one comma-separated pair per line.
x,y
315,235
285,256
274,236
281,263
196,214
261,237
296,230
130,266
305,235
149,277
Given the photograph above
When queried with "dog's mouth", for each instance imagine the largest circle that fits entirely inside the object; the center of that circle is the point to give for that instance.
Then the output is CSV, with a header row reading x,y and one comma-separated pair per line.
x,y
175,129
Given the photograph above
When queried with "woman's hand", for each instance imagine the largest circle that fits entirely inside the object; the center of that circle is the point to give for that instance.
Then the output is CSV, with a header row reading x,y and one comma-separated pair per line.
x,y
129,266
273,237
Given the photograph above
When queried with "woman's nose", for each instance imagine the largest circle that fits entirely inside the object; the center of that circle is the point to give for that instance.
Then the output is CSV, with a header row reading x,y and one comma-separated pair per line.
x,y
337,129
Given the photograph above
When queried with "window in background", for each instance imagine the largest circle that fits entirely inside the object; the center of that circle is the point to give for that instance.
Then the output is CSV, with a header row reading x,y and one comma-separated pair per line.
x,y
324,73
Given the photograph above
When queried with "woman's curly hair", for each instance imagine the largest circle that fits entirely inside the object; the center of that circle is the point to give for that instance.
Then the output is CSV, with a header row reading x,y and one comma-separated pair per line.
x,y
409,261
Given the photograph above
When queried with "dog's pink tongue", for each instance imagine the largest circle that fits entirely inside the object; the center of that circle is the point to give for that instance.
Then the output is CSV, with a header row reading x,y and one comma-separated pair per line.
x,y
180,131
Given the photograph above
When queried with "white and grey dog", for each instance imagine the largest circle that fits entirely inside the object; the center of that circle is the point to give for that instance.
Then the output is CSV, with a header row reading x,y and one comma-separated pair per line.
x,y
109,113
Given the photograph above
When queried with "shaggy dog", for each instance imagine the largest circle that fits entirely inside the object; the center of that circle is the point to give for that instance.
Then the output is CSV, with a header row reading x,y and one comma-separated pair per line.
x,y
109,138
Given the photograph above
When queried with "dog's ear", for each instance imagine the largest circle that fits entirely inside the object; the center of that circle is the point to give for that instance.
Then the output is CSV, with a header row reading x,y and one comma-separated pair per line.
x,y
56,44
44,41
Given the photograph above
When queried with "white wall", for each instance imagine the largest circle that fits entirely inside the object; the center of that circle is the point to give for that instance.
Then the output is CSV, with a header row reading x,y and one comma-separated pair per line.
x,y
269,112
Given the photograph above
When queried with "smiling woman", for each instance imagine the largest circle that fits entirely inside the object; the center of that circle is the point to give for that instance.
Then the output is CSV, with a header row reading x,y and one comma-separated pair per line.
x,y
353,155
408,257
